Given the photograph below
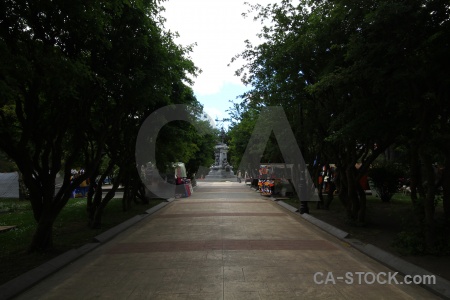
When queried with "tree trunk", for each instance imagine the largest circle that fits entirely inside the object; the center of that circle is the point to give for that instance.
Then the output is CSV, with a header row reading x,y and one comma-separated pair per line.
x,y
94,204
446,192
43,236
316,172
429,207
23,191
94,198
417,191
352,193
45,209
362,204
132,184
100,202
95,221
140,193
126,201
331,190
341,183
445,182
320,203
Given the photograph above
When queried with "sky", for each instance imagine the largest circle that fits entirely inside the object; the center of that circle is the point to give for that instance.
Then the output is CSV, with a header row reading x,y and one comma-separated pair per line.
x,y
219,30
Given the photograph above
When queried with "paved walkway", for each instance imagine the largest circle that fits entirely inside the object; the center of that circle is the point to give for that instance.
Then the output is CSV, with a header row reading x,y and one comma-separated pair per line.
x,y
224,242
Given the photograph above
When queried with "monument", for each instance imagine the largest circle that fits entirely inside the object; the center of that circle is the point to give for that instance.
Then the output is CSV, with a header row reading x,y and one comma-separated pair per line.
x,y
221,170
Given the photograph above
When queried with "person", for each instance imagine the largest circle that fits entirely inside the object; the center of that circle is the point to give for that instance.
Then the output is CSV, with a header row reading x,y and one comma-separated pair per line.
x,y
84,185
72,178
330,187
239,176
143,172
246,176
148,173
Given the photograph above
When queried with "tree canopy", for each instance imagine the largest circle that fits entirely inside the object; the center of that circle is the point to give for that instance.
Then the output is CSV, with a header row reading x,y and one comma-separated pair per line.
x,y
355,78
77,79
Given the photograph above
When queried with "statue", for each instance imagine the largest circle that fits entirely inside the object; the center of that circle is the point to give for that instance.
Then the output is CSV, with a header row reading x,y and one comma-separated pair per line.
x,y
221,170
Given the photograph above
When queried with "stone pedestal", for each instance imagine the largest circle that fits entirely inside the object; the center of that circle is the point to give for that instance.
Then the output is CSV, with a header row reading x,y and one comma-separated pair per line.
x,y
220,174
221,170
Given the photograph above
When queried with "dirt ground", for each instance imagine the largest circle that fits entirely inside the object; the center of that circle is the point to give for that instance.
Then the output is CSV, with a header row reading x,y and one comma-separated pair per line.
x,y
384,222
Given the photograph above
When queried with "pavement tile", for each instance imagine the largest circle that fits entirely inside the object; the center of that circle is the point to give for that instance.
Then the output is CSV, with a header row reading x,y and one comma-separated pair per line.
x,y
245,258
235,273
206,296
190,256
224,242
245,287
225,214
207,288
71,294
324,292
279,286
242,295
214,254
142,291
204,274
280,296
374,292
174,296
264,274
175,274
174,287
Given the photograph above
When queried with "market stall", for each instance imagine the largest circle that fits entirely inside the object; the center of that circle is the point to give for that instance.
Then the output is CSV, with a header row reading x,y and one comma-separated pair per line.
x,y
273,178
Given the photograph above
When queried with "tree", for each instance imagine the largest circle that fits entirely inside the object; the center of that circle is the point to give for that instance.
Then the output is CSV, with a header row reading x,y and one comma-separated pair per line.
x,y
204,142
362,74
6,165
243,120
71,75
134,89
409,65
41,88
385,178
302,66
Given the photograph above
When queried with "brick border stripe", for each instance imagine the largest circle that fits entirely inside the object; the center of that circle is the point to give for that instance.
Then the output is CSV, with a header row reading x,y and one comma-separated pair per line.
x,y
182,246
221,202
206,214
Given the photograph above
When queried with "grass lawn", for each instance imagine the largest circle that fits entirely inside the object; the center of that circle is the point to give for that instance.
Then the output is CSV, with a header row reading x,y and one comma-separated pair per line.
x,y
70,231
384,222
386,218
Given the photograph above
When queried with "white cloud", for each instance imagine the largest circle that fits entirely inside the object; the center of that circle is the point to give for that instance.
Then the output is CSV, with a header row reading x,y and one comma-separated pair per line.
x,y
215,113
219,30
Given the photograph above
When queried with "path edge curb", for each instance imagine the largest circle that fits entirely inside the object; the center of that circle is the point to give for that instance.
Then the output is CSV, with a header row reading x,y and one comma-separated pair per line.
x,y
28,279
442,286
